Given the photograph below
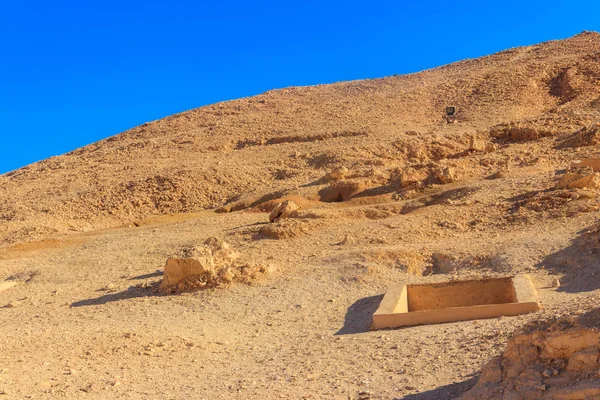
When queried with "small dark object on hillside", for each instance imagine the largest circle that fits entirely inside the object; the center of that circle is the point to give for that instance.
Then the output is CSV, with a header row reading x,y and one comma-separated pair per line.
x,y
451,114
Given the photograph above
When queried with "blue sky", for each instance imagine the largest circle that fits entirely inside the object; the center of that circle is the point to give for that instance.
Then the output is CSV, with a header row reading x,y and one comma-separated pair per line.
x,y
74,72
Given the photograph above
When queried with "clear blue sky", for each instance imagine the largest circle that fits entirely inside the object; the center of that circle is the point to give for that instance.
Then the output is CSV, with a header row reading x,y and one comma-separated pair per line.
x,y
74,72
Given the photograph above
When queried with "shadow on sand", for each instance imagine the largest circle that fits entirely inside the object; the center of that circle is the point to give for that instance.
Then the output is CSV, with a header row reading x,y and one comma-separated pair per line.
x,y
578,263
447,392
146,276
130,293
360,315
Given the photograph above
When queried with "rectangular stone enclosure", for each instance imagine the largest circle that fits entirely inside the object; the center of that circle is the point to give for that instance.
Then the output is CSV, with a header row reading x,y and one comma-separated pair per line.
x,y
405,305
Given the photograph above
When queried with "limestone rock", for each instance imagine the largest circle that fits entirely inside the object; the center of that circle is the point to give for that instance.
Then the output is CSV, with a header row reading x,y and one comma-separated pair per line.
x,y
445,175
338,173
476,144
180,269
521,371
213,264
408,176
579,178
283,210
586,359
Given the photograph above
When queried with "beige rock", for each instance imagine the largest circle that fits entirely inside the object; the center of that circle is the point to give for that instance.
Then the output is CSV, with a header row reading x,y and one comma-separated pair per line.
x,y
445,175
348,240
476,144
227,274
579,178
516,373
283,210
180,269
338,173
584,360
593,163
409,176
196,251
490,147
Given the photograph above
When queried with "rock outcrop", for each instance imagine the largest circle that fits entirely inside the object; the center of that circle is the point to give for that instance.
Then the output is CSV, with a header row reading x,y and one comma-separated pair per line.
x,y
554,364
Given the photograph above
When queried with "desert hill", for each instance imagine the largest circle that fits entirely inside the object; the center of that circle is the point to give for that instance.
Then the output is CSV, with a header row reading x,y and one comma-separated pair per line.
x,y
300,207
282,139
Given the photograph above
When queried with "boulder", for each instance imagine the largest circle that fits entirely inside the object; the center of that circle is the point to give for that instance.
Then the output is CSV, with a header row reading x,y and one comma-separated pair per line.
x,y
338,173
177,270
476,144
283,210
445,175
579,178
409,176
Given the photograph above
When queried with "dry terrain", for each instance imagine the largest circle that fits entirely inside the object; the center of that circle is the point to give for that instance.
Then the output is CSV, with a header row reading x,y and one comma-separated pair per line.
x,y
381,190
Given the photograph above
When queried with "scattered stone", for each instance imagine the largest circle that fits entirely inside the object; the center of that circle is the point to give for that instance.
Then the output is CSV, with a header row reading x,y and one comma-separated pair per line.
x,y
547,373
584,360
497,175
364,395
110,288
285,229
586,136
490,147
87,388
348,240
216,244
221,251
555,283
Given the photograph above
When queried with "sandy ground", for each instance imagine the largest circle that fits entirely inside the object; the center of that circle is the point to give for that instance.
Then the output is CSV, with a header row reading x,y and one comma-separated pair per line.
x,y
83,327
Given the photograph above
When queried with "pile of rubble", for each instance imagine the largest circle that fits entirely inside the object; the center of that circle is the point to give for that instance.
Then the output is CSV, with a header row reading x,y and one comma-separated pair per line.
x,y
212,264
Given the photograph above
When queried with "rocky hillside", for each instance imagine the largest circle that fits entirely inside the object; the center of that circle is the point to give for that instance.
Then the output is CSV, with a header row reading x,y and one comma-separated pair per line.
x,y
284,141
